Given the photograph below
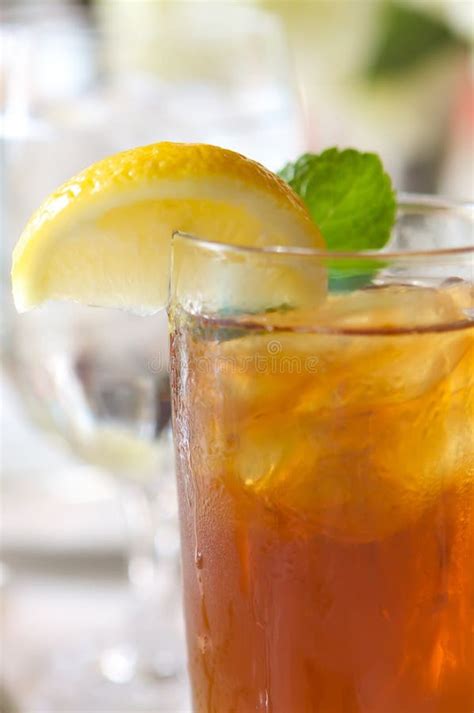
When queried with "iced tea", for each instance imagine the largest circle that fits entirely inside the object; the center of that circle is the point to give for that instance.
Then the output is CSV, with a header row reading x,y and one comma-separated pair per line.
x,y
326,476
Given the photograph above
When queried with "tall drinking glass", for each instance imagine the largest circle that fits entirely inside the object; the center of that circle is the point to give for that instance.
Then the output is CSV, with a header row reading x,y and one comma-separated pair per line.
x,y
324,414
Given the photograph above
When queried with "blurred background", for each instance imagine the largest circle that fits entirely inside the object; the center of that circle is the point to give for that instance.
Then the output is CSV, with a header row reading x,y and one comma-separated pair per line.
x,y
89,573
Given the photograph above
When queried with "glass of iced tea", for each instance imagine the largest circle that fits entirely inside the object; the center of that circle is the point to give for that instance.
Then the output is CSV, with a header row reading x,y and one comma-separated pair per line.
x,y
324,426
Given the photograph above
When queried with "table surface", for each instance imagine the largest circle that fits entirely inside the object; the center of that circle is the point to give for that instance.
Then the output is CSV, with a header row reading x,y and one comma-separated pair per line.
x,y
53,626
64,595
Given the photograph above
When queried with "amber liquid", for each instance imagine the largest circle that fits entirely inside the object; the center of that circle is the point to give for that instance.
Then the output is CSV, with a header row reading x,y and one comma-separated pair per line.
x,y
327,513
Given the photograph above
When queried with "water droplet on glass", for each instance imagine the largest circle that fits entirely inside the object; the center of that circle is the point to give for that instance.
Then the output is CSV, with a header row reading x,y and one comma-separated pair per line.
x,y
203,643
265,701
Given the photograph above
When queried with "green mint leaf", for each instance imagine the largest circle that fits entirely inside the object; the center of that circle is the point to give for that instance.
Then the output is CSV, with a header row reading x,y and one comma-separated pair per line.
x,y
348,275
348,195
351,199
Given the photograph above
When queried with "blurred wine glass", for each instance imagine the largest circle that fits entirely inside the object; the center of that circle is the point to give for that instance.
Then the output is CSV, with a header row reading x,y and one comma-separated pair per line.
x,y
98,380
74,91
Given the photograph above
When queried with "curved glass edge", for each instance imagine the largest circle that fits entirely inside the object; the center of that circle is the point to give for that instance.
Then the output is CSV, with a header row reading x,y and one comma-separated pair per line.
x,y
408,205
302,289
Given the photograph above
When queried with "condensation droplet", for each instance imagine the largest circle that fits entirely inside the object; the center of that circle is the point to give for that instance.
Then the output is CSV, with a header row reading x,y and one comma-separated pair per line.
x,y
203,643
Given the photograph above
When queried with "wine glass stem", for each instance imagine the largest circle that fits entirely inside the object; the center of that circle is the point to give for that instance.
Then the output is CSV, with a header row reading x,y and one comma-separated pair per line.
x,y
138,509
153,576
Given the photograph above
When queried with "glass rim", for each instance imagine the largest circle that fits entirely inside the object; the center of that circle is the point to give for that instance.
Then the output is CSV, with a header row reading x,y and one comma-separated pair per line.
x,y
416,202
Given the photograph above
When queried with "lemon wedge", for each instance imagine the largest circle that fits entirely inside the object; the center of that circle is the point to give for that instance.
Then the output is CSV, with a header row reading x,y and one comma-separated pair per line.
x,y
104,237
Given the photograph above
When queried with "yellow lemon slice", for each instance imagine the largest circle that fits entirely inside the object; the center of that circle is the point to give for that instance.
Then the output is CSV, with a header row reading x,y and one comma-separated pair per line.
x,y
104,237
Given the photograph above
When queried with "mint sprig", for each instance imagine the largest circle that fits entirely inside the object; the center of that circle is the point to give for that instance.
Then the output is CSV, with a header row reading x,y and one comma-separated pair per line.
x,y
351,199
348,195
